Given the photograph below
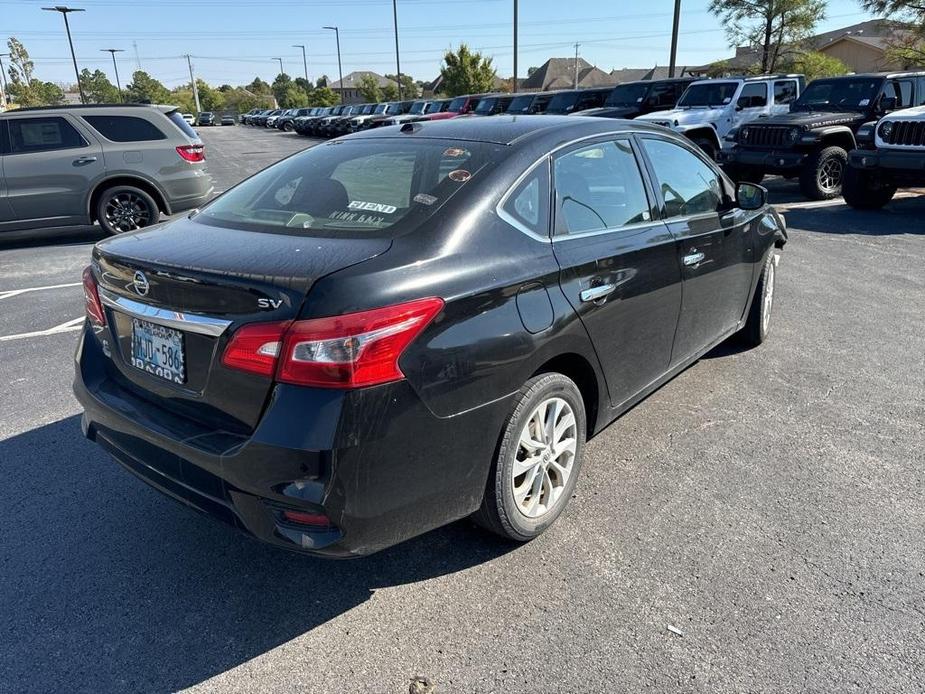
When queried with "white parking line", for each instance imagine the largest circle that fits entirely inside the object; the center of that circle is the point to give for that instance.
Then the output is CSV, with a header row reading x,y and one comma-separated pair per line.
x,y
16,292
67,327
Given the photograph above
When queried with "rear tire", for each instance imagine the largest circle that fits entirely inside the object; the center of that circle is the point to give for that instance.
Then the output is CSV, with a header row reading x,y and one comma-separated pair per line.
x,y
822,175
758,323
707,146
538,460
865,190
126,208
287,127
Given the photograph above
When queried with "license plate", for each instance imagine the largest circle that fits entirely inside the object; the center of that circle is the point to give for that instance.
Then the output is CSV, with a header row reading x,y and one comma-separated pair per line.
x,y
158,351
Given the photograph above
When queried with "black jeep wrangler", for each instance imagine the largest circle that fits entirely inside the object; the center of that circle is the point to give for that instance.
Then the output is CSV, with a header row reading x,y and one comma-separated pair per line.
x,y
632,99
813,140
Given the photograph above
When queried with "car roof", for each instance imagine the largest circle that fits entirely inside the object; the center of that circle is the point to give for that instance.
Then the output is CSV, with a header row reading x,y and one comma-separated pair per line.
x,y
869,75
163,108
506,130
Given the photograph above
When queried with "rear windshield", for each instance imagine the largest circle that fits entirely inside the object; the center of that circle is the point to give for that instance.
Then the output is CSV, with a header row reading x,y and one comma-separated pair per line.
x,y
352,188
177,119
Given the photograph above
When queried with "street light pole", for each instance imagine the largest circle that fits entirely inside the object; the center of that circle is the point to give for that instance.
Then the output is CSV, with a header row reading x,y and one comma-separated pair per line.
x,y
304,60
64,13
397,62
4,99
115,67
340,70
280,64
674,38
514,87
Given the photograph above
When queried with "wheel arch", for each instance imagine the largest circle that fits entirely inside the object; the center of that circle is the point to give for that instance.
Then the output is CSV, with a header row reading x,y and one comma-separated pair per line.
x,y
578,369
125,180
837,137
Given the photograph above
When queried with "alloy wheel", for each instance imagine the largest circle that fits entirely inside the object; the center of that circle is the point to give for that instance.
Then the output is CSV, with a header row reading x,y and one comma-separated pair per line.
x,y
545,457
830,175
127,211
768,298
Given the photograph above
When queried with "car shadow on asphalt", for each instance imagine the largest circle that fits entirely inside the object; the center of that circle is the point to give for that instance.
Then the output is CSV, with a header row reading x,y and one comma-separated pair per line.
x,y
109,586
901,216
50,237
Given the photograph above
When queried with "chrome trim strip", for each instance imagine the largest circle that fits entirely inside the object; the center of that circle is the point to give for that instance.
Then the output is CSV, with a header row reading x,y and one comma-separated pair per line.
x,y
188,322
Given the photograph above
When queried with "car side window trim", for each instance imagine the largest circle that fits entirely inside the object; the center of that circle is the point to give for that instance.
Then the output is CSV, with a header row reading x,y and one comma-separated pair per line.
x,y
513,221
4,138
83,138
626,229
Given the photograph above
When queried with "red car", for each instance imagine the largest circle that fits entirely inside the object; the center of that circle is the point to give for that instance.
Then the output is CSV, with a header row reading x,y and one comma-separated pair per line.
x,y
458,106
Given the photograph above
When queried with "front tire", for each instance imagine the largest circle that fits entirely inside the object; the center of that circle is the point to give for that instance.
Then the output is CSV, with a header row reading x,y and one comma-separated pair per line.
x,y
288,127
749,174
707,146
126,208
864,190
758,323
537,463
821,177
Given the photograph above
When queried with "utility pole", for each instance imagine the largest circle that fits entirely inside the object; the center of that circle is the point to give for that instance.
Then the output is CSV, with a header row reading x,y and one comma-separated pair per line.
x,y
64,13
397,63
304,60
340,70
115,67
280,64
514,86
576,65
3,89
192,80
674,38
137,57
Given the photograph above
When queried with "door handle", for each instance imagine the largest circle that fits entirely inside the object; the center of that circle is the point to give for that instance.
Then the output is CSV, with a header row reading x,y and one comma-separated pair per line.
x,y
597,293
693,258
84,160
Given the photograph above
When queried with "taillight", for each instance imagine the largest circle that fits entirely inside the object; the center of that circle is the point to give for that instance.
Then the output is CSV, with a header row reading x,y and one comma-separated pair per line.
x,y
193,153
315,520
254,348
349,351
94,306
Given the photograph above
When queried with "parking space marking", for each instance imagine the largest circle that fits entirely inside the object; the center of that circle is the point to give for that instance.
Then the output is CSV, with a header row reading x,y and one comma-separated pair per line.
x,y
16,292
813,204
69,326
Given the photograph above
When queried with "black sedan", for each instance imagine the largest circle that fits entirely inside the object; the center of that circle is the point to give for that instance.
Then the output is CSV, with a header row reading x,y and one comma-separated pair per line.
x,y
206,118
412,325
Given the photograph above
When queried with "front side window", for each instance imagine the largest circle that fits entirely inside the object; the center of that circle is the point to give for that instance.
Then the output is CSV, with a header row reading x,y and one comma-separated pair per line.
x,y
785,92
663,95
357,188
688,185
709,94
43,135
599,187
125,128
753,96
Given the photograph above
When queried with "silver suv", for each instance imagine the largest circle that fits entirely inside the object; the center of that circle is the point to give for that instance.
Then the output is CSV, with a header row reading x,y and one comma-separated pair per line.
x,y
121,165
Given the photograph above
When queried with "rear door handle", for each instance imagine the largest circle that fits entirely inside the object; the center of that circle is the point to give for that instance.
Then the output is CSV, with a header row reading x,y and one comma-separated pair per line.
x,y
84,160
693,258
597,293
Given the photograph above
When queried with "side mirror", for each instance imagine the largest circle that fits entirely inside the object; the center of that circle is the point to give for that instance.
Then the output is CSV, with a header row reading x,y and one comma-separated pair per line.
x,y
750,196
887,104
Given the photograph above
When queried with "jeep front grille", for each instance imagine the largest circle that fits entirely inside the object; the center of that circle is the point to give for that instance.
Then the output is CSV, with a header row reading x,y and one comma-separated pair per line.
x,y
907,132
765,136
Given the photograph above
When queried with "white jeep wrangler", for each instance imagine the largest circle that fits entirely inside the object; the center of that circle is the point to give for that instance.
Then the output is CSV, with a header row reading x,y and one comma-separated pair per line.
x,y
890,154
709,109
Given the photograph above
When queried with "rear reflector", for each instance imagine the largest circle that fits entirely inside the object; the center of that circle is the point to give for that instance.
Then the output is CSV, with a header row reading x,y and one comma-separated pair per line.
x,y
353,350
193,153
317,520
92,302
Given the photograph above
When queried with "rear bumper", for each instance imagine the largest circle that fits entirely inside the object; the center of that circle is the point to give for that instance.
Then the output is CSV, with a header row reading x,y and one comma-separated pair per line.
x,y
773,161
376,461
903,167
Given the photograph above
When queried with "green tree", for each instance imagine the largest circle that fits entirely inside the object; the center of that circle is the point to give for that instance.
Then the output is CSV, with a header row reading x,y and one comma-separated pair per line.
x,y
240,100
281,85
322,81
908,47
144,89
369,89
24,88
390,92
303,84
182,98
409,90
293,98
97,87
323,96
210,99
771,27
259,87
814,65
466,72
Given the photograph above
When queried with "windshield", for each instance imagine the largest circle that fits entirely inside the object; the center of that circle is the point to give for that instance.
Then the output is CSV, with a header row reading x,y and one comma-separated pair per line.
x,y
380,108
486,106
562,103
352,188
417,107
457,104
843,94
627,95
521,104
709,94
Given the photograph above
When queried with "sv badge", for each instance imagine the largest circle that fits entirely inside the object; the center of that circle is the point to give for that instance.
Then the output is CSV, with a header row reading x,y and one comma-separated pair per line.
x,y
269,304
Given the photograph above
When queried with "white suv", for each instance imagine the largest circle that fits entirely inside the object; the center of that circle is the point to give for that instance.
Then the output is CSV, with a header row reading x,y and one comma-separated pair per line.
x,y
709,109
890,154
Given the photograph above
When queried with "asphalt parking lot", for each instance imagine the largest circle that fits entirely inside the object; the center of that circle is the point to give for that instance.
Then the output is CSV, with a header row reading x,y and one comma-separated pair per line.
x,y
768,504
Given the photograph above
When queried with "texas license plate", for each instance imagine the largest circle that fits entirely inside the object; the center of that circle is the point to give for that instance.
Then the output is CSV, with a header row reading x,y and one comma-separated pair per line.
x,y
158,351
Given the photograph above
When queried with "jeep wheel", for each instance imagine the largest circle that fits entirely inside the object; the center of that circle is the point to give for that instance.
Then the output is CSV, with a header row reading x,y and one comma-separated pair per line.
x,y
707,146
748,174
287,127
865,190
821,177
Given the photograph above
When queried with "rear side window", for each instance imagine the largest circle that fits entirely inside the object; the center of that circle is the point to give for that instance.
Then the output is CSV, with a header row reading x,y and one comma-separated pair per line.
x,y
785,92
43,135
125,128
353,188
528,204
177,119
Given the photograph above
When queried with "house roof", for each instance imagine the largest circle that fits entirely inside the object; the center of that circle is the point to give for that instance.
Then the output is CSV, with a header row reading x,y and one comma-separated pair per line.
x,y
559,73
642,74
352,81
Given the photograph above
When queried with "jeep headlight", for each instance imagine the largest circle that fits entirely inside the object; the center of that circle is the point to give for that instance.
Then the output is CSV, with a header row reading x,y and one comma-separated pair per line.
x,y
793,135
885,130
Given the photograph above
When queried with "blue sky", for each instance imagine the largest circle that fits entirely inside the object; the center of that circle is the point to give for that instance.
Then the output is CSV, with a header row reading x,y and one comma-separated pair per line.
x,y
234,40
